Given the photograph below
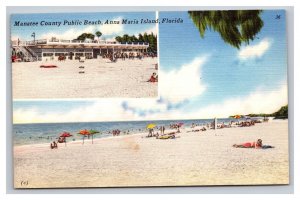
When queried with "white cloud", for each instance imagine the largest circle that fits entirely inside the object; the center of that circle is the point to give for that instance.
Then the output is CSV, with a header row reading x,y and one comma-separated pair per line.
x,y
175,87
111,109
256,102
259,101
181,84
147,104
153,30
15,37
255,51
69,34
105,29
102,110
111,29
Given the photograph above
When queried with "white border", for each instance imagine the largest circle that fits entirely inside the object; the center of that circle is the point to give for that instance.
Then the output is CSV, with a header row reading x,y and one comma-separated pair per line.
x,y
255,3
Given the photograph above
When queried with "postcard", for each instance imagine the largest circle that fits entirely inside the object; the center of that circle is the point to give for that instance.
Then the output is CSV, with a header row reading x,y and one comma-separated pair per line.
x,y
89,109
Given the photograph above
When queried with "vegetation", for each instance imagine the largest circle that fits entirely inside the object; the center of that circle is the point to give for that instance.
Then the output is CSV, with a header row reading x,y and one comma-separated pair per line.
x,y
98,34
234,26
85,36
149,38
282,113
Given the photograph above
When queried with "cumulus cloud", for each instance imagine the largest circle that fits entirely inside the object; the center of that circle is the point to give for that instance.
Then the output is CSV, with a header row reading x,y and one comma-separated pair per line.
x,y
259,101
183,83
111,29
255,51
105,29
101,110
69,34
176,87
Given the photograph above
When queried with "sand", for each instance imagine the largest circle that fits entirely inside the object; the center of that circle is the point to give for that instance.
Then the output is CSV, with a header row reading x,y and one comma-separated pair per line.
x,y
196,158
102,78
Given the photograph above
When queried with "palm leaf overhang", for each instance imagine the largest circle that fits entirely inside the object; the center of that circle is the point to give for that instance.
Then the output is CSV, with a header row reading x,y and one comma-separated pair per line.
x,y
234,26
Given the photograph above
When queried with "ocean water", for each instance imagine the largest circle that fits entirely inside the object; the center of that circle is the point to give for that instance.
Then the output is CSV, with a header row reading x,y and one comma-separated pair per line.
x,y
48,132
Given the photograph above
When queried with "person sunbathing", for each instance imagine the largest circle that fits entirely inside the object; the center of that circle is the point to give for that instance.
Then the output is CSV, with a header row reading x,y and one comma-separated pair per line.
x,y
164,137
256,145
153,78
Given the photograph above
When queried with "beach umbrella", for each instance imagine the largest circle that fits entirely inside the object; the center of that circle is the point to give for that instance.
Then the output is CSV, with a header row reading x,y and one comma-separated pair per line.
x,y
92,132
237,116
84,133
64,135
150,126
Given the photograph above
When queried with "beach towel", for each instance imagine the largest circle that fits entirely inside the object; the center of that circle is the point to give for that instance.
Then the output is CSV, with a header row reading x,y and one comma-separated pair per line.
x,y
267,146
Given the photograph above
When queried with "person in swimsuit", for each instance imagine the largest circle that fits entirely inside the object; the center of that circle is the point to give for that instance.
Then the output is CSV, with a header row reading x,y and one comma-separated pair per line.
x,y
153,78
256,145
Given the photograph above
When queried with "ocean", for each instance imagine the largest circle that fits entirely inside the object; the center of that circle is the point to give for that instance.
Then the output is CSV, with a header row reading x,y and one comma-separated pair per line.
x,y
48,132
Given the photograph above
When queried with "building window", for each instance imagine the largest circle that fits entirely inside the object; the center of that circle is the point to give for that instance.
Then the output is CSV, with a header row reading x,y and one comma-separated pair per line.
x,y
47,54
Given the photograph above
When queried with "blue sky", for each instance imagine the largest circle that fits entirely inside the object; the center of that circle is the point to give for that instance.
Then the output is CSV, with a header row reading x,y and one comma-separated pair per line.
x,y
224,74
199,77
24,33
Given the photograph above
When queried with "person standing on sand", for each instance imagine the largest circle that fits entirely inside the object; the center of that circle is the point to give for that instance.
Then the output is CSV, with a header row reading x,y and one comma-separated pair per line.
x,y
151,130
163,130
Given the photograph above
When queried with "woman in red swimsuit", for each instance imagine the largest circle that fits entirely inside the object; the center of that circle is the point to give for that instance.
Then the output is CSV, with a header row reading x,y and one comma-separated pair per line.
x,y
256,145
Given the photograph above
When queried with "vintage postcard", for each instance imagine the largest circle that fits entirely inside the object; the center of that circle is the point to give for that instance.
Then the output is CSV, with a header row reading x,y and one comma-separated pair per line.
x,y
88,55
217,115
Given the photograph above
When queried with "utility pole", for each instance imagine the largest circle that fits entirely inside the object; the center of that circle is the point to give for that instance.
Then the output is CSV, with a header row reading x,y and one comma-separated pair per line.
x,y
33,35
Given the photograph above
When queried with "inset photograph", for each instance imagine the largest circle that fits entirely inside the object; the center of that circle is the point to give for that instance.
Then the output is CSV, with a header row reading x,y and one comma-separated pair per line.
x,y
84,55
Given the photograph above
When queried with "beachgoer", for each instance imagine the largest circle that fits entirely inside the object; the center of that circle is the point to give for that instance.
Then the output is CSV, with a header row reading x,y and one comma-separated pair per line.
x,y
153,78
61,140
53,145
256,145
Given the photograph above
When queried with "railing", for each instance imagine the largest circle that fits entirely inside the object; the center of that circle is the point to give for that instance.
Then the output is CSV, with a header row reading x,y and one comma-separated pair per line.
x,y
27,54
61,41
33,54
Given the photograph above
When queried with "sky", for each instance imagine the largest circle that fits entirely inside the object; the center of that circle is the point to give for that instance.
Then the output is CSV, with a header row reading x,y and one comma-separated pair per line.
x,y
200,78
109,31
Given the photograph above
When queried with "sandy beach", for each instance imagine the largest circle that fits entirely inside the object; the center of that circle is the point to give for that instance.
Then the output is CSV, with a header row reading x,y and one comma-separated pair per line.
x,y
101,78
195,158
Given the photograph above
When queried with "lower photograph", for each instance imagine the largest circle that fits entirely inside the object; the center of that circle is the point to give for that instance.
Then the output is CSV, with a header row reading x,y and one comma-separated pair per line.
x,y
218,115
